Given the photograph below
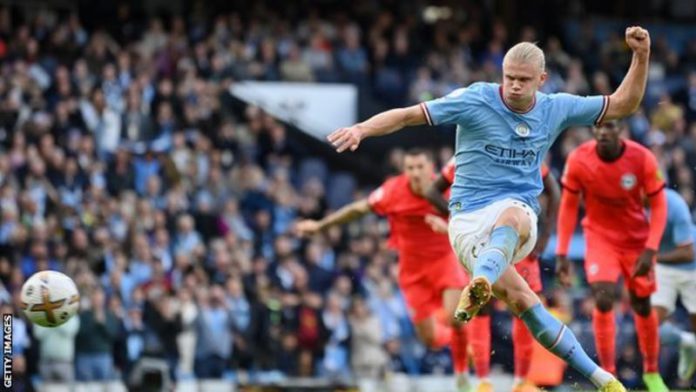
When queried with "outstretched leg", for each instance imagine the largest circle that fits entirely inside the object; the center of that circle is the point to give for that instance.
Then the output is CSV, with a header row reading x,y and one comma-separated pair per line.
x,y
511,229
549,331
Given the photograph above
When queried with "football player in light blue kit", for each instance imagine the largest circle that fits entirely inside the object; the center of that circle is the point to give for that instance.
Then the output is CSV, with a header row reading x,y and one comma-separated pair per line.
x,y
676,277
503,132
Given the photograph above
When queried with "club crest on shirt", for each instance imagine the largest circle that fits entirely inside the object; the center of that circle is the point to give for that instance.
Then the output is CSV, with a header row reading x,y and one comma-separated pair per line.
x,y
522,130
594,268
628,181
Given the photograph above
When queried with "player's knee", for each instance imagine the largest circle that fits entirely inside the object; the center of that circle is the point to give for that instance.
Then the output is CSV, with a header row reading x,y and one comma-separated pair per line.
x,y
429,341
515,218
604,296
427,336
641,305
604,303
510,219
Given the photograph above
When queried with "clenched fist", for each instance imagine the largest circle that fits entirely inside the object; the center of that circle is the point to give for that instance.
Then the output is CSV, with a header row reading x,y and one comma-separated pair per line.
x,y
638,39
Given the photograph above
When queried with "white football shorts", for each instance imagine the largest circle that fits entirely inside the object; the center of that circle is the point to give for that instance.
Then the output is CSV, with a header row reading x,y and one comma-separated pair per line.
x,y
469,232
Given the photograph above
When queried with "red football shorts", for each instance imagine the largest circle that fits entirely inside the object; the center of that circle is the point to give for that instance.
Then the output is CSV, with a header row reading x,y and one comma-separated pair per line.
x,y
528,268
605,263
423,289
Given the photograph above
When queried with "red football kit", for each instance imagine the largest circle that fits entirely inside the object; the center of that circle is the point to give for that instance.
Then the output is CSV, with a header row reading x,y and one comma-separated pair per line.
x,y
616,226
427,263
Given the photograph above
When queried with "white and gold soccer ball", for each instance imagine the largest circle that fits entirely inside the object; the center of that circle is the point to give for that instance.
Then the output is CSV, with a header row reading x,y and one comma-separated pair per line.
x,y
49,298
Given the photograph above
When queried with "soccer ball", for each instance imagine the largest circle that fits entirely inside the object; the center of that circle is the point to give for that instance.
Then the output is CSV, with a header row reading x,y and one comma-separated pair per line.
x,y
49,298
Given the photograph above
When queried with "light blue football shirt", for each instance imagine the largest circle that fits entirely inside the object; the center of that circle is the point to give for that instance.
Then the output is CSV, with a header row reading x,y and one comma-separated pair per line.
x,y
498,151
679,229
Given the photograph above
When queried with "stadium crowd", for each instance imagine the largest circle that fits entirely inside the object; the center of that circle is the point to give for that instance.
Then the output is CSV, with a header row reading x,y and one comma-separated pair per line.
x,y
126,164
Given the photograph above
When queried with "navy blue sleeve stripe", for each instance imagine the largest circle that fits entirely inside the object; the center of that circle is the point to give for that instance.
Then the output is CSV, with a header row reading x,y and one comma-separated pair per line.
x,y
655,192
428,119
603,112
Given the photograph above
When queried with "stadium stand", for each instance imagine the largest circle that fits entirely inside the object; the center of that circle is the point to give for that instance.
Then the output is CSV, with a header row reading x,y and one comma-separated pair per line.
x,y
127,164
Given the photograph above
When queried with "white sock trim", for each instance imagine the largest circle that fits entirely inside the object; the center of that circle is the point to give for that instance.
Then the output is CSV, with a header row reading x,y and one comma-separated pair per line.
x,y
601,377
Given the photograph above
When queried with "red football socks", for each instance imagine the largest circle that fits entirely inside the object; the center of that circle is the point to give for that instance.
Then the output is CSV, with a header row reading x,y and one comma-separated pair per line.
x,y
648,340
604,327
522,342
458,347
480,340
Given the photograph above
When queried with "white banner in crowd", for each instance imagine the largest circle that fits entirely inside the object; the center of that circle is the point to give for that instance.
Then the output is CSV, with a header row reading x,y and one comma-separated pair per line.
x,y
317,109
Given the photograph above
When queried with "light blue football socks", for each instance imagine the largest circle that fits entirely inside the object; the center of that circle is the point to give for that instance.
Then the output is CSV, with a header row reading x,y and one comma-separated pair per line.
x,y
497,254
561,341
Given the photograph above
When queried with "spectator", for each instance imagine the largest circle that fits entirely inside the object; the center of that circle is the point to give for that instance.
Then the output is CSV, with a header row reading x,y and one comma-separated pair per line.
x,y
187,239
294,68
352,58
369,358
335,363
241,313
214,334
94,348
311,332
163,319
103,122
57,351
115,131
186,340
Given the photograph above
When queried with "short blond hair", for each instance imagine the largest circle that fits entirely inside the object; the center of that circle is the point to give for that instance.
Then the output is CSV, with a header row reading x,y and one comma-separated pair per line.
x,y
527,53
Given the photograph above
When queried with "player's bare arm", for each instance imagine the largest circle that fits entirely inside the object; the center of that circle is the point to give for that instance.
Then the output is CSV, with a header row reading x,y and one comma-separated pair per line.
x,y
380,124
567,218
434,194
658,221
553,192
645,263
680,254
348,213
628,96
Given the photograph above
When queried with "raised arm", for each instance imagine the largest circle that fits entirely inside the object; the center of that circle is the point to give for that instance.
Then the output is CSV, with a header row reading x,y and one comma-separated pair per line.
x,y
377,125
346,214
628,96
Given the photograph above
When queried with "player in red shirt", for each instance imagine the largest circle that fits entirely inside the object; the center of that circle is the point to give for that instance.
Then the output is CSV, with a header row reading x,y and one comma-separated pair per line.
x,y
614,177
430,275
480,327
